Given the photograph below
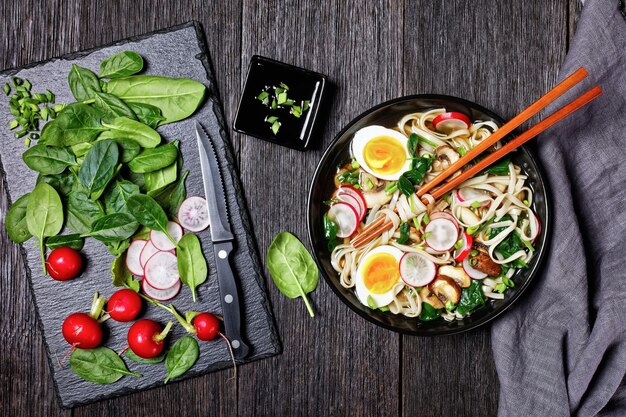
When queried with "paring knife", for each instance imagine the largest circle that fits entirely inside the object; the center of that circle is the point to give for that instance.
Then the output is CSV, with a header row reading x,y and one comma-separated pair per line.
x,y
222,238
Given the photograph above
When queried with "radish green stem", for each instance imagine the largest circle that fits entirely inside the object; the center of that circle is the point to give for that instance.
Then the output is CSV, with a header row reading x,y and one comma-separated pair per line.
x,y
188,327
43,259
164,333
96,306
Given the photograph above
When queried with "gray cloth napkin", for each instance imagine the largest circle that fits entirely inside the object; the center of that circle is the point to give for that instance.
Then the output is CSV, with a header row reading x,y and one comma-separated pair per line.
x,y
562,350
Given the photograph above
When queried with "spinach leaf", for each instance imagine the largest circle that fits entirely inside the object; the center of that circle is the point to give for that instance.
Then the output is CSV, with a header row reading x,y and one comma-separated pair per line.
x,y
81,149
178,98
150,160
117,195
404,233
113,227
147,114
62,182
111,107
181,357
405,185
148,212
472,297
120,274
161,178
48,160
128,148
429,312
412,144
44,215
73,241
192,266
348,177
117,247
99,167
292,268
330,233
83,83
172,196
81,212
122,64
133,357
15,221
414,176
76,123
125,128
100,365
511,244
501,167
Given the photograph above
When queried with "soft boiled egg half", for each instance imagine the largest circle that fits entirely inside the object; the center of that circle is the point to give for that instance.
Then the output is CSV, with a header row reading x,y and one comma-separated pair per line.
x,y
382,152
378,275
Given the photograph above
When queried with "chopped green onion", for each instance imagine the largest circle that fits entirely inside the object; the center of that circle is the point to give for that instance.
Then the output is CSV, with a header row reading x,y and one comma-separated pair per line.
x,y
415,223
526,203
357,186
21,133
476,204
7,89
426,219
16,81
296,111
528,245
370,184
282,97
283,85
371,303
508,282
27,85
274,105
473,262
305,105
355,164
59,107
276,127
472,229
27,142
13,124
271,119
500,288
458,244
45,113
473,252
50,96
384,308
450,305
461,150
263,97
427,234
428,142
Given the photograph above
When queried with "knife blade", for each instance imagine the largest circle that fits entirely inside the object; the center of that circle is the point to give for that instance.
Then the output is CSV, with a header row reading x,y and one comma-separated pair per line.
x,y
222,237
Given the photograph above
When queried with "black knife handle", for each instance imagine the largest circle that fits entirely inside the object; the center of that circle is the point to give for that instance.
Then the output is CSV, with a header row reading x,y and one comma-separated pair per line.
x,y
229,298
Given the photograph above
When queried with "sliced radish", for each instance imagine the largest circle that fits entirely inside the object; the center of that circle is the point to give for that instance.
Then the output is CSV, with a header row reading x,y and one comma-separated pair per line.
x,y
471,271
193,214
345,217
471,194
350,199
462,252
148,251
416,270
448,122
444,214
442,234
346,189
161,295
133,253
161,271
160,239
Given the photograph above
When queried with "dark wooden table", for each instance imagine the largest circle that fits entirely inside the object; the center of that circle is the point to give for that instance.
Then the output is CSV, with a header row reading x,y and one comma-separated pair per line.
x,y
500,54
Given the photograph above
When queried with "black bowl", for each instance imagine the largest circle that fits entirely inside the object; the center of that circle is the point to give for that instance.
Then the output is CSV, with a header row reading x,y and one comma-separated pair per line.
x,y
387,114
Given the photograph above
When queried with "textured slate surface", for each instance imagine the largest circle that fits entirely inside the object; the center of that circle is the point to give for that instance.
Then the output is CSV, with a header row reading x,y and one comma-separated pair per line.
x,y
186,57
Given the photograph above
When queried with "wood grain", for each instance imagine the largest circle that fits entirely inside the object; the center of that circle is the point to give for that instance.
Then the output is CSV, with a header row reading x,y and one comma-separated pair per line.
x,y
502,55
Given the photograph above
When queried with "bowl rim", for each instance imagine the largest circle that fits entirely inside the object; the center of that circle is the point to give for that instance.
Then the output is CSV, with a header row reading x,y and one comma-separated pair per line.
x,y
546,222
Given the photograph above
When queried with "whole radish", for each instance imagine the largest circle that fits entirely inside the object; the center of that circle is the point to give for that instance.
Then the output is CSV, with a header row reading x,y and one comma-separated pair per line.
x,y
207,326
64,263
82,331
124,305
145,338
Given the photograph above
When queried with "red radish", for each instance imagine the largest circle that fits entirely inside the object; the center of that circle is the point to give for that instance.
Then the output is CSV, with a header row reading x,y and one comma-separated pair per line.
x,y
193,214
161,241
346,189
64,263
82,331
148,252
161,295
447,122
350,199
145,338
444,214
441,234
124,305
132,257
471,194
161,270
416,270
207,326
471,271
345,217
462,252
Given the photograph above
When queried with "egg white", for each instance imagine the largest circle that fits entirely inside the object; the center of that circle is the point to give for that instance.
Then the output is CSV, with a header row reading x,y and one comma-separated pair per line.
x,y
363,293
363,136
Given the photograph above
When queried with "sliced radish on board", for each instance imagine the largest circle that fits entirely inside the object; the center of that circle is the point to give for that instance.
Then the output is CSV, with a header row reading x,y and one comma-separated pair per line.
x,y
345,217
443,214
161,295
148,251
161,270
442,234
351,191
161,241
462,252
132,257
471,271
416,270
448,122
193,214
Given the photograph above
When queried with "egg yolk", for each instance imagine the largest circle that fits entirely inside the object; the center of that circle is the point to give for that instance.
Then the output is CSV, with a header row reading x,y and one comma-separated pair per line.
x,y
385,155
380,273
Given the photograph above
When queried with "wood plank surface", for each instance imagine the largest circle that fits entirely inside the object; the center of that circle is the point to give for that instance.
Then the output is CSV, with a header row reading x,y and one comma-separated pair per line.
x,y
502,55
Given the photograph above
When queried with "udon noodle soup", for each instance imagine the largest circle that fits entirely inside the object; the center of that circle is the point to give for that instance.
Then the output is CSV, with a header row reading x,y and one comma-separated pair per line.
x,y
441,258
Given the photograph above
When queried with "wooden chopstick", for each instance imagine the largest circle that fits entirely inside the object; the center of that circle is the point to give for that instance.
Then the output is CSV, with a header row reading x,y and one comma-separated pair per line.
x,y
518,141
507,128
373,229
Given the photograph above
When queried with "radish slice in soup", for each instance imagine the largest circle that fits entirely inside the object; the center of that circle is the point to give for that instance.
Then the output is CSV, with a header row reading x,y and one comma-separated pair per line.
x,y
161,241
345,217
351,191
443,214
462,252
471,271
350,199
442,234
416,270
448,122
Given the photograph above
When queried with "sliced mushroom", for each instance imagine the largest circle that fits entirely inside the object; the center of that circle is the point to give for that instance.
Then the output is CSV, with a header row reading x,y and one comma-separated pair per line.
x,y
430,298
445,156
445,289
483,262
377,196
457,274
468,217
415,234
368,182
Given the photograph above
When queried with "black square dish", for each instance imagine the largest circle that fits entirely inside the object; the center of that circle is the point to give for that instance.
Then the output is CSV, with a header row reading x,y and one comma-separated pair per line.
x,y
261,109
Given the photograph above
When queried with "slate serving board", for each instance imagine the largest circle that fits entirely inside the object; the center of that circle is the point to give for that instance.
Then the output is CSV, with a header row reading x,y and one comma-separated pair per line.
x,y
177,52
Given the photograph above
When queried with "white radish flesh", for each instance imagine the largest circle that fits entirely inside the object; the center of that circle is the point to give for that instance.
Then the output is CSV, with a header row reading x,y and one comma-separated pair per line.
x,y
161,295
193,214
471,271
161,271
416,270
160,239
345,217
462,252
350,199
148,251
442,234
132,257
351,191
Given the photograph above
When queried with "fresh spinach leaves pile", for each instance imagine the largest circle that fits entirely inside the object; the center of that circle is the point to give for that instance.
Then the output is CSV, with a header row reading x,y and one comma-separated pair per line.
x,y
104,171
